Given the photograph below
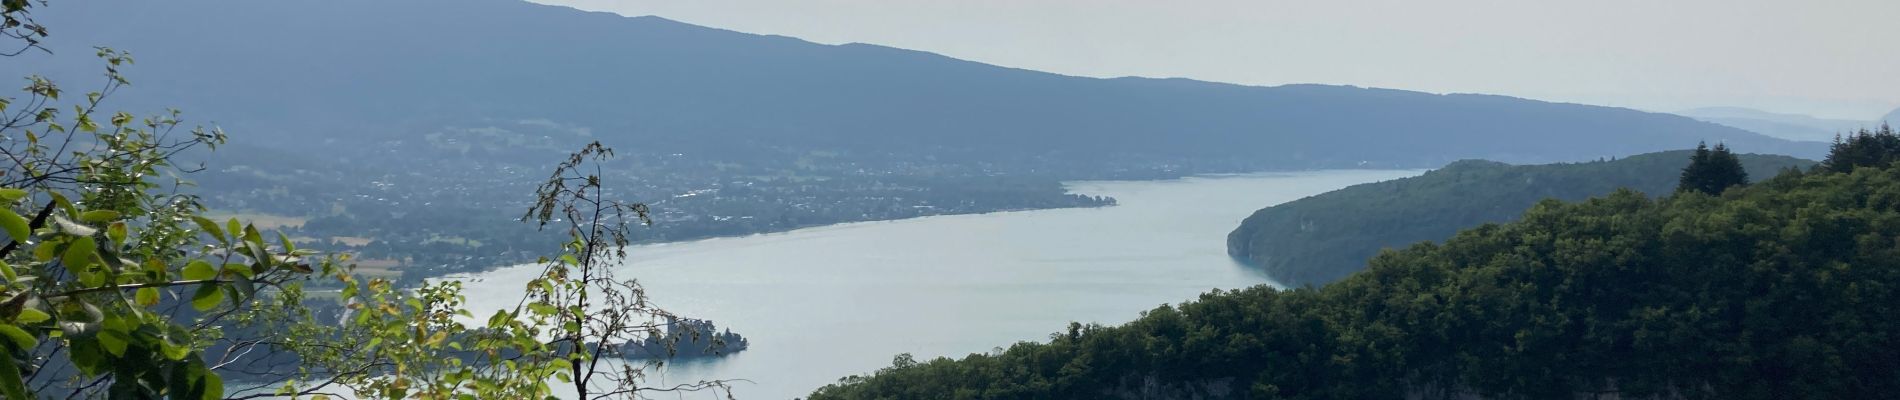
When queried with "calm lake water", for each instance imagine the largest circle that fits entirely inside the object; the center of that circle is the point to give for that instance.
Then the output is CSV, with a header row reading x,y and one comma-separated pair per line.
x,y
821,303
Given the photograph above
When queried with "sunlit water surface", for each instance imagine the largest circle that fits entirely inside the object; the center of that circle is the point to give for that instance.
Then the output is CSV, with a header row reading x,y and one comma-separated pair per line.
x,y
821,303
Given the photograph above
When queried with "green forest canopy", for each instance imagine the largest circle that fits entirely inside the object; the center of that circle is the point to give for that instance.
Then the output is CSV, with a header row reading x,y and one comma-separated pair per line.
x,y
1323,238
1780,290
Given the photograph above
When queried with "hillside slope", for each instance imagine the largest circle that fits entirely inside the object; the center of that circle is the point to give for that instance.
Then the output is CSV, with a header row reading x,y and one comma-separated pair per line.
x,y
1323,238
1781,290
367,80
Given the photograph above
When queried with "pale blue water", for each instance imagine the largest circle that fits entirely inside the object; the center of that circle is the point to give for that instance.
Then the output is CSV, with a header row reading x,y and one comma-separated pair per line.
x,y
821,303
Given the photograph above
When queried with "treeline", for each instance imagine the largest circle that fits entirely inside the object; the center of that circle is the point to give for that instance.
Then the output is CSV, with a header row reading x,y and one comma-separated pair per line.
x,y
1320,239
1780,290
433,240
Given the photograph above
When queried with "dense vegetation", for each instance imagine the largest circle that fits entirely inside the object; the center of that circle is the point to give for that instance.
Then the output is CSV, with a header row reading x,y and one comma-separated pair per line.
x,y
1325,237
1781,290
1865,147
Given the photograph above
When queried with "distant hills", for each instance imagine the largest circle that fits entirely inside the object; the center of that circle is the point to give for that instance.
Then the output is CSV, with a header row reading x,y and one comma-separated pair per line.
x,y
1785,126
1892,117
369,82
1320,239
387,126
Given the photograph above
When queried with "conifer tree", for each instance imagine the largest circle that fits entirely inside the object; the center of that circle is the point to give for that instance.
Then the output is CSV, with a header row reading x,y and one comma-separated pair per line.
x,y
1866,148
1728,168
1712,171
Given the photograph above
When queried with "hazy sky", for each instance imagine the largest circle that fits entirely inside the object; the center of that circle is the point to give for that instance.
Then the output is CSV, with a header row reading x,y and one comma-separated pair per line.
x,y
1831,58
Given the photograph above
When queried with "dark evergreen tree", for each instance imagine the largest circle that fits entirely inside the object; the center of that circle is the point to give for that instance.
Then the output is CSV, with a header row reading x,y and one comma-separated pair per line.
x,y
1728,168
1866,148
1692,174
1712,171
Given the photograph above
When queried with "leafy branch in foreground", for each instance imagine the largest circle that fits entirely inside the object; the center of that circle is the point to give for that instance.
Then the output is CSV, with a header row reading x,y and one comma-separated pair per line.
x,y
570,326
594,312
17,24
114,283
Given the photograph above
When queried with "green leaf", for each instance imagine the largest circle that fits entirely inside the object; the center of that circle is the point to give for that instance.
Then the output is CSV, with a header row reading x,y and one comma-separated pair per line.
x,y
193,381
147,296
86,355
173,351
47,250
207,297
14,224
12,195
289,247
242,289
199,270
240,270
31,316
541,308
259,253
12,383
114,341
211,228
116,232
18,337
233,226
213,387
99,216
79,254
88,278
7,271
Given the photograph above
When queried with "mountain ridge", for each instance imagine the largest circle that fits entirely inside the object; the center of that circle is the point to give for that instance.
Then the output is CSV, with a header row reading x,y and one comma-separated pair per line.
x,y
1323,238
420,65
1781,125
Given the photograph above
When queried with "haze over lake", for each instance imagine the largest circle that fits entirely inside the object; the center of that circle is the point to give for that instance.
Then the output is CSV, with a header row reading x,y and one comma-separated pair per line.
x,y
821,303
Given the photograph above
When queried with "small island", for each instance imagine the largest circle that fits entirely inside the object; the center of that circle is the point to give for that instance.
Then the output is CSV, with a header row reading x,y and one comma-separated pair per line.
x,y
686,338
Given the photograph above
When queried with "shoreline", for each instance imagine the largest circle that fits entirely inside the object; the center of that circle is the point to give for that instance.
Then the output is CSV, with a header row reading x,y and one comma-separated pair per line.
x,y
1068,186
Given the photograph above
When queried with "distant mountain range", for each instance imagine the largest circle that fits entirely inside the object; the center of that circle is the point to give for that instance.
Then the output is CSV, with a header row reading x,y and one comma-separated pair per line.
x,y
1785,126
358,81
1892,117
1320,239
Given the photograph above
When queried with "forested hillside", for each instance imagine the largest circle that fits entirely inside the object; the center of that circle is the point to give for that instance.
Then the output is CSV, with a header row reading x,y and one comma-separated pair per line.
x,y
1780,290
1323,238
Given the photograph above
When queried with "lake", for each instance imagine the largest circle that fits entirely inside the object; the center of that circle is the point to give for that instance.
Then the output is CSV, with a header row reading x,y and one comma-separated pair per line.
x,y
821,303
